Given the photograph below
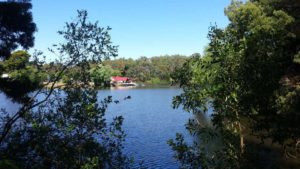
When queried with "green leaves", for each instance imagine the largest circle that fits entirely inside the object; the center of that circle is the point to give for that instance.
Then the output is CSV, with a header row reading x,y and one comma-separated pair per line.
x,y
101,76
22,77
16,61
249,76
297,58
85,41
67,129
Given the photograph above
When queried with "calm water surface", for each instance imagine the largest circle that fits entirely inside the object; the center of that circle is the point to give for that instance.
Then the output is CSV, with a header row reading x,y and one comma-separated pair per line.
x,y
149,121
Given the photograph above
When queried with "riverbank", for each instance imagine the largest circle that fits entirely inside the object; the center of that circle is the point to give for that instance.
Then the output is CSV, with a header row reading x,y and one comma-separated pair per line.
x,y
62,85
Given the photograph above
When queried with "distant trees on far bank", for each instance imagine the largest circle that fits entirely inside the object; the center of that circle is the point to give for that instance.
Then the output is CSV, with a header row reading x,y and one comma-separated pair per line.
x,y
154,70
19,76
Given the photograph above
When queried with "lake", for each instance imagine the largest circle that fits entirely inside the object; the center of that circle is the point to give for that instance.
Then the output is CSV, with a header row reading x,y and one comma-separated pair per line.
x,y
149,121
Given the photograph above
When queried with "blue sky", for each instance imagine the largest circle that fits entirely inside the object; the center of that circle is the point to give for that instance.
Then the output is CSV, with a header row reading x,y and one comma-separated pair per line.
x,y
140,27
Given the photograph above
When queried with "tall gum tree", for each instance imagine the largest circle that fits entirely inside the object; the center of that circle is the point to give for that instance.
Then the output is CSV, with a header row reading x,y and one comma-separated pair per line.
x,y
249,77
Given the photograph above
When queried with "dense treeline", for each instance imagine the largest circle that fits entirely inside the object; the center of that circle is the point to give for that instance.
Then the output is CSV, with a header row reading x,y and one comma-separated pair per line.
x,y
151,71
154,70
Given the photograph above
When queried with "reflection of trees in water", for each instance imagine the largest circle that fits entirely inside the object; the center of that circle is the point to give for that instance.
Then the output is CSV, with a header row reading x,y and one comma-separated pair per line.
x,y
8,103
202,122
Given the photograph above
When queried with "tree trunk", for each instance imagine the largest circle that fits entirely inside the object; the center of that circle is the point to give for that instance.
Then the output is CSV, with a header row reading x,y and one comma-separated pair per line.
x,y
240,131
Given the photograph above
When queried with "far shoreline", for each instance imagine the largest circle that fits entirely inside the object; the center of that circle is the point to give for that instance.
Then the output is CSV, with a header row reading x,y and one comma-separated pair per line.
x,y
61,85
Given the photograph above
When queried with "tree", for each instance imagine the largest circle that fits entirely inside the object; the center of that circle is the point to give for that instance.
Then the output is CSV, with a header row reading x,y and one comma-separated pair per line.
x,y
70,132
16,30
142,69
243,78
67,129
155,70
101,76
16,61
16,27
23,78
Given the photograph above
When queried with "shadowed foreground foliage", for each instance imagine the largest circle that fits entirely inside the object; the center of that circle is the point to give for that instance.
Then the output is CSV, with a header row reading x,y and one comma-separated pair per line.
x,y
16,27
63,129
249,76
70,132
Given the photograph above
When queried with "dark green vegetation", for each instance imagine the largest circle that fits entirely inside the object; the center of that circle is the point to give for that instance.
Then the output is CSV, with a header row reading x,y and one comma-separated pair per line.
x,y
249,76
154,70
100,75
149,71
23,77
16,27
55,128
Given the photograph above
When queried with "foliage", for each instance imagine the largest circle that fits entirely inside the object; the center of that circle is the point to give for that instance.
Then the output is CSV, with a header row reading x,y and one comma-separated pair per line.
x,y
101,76
22,79
8,164
68,133
85,41
16,61
154,70
16,27
65,129
242,77
157,81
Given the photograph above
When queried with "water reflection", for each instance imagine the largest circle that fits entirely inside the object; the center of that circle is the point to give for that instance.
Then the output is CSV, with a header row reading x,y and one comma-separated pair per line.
x,y
7,104
149,121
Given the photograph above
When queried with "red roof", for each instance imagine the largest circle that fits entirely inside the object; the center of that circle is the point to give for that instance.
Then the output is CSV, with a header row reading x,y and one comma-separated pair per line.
x,y
118,78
